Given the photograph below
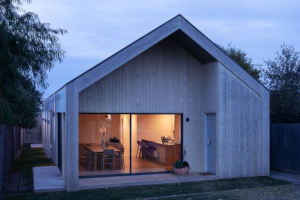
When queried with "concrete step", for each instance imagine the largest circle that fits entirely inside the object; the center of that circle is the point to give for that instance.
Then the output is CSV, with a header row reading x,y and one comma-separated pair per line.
x,y
36,146
47,179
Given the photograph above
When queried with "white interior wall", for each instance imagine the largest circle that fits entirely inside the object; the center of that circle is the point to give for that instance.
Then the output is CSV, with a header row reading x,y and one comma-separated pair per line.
x,y
152,127
89,125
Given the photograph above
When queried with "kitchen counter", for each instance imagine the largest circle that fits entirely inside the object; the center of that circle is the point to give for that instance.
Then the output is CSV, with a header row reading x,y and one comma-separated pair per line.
x,y
168,152
160,143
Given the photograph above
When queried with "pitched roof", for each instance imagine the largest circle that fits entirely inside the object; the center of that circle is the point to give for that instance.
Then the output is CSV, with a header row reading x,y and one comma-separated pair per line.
x,y
182,32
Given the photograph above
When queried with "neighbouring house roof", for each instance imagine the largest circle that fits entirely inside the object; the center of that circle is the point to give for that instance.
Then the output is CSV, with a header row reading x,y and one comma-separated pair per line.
x,y
183,33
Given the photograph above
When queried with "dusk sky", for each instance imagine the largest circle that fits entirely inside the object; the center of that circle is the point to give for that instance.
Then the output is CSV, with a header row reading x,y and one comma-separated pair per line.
x,y
98,29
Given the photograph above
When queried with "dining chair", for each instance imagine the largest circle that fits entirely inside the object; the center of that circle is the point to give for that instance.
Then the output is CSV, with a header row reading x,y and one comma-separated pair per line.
x,y
82,153
86,153
121,156
139,149
90,158
108,157
144,150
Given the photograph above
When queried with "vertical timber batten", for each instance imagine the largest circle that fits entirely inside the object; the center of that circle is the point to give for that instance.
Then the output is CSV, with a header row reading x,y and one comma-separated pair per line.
x,y
237,102
266,133
71,139
155,74
127,54
219,55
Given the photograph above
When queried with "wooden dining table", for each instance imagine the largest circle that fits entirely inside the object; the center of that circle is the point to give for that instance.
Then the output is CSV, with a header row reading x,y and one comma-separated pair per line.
x,y
98,150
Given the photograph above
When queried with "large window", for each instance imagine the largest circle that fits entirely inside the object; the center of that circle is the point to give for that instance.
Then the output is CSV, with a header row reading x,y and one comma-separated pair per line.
x,y
105,141
156,142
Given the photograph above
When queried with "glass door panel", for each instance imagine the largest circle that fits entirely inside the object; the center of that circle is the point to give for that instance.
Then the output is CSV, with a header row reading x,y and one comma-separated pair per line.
x,y
156,142
104,144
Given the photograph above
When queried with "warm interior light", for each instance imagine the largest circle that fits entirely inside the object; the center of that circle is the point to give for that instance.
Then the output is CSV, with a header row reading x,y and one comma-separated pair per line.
x,y
108,117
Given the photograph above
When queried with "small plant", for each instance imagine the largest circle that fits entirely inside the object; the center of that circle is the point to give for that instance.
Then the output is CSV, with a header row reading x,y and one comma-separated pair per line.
x,y
181,164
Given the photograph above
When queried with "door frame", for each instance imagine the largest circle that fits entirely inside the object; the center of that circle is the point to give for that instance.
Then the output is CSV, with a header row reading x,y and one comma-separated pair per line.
x,y
205,142
59,123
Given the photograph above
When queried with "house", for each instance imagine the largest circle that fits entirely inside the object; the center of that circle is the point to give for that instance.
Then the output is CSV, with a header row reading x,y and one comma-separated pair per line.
x,y
170,95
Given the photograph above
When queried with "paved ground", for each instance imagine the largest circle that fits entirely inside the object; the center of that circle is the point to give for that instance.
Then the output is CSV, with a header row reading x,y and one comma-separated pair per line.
x,y
36,146
19,180
286,176
18,183
136,180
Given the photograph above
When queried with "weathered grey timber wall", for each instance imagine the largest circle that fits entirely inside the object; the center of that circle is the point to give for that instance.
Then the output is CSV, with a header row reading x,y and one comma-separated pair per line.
x,y
10,145
285,148
240,138
163,79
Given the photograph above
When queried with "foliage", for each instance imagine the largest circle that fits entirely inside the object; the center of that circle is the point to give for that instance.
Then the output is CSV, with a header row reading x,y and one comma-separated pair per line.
x,y
181,164
241,58
28,50
282,77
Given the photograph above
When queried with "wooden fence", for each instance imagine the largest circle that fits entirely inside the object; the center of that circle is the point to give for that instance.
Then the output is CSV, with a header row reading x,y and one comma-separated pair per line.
x,y
34,136
11,142
285,147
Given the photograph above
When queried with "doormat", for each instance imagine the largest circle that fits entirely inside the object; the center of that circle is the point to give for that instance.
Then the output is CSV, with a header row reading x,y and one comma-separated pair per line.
x,y
206,173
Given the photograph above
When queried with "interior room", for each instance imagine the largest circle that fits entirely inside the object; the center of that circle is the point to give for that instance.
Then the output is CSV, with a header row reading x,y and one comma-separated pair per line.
x,y
105,141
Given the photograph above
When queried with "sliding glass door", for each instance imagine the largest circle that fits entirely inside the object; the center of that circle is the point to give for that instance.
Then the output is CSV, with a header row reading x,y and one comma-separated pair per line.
x,y
104,144
156,142
114,144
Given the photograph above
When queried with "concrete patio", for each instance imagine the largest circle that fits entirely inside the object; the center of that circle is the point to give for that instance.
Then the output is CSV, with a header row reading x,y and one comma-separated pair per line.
x,y
48,179
134,180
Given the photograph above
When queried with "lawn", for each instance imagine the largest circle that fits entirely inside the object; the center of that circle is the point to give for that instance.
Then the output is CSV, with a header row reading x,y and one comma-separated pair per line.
x,y
20,177
36,157
156,190
274,192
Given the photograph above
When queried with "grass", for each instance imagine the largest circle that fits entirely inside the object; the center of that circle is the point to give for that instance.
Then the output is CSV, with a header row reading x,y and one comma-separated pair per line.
x,y
30,158
156,190
274,192
35,157
20,177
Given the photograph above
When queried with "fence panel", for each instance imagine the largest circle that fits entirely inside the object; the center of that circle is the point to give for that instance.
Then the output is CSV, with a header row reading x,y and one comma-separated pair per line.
x,y
285,147
34,135
9,150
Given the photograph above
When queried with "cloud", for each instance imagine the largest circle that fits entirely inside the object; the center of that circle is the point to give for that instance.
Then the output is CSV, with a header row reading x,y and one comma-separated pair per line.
x,y
98,29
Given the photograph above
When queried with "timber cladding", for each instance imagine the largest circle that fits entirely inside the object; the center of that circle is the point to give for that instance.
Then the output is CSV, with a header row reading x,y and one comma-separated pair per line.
x,y
240,128
285,148
156,74
166,79
163,79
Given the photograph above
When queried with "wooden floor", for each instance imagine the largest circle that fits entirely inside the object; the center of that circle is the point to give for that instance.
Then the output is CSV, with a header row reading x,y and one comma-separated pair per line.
x,y
138,166
134,180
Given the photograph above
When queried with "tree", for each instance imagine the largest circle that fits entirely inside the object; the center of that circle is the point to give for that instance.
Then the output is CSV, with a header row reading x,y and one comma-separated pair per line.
x,y
282,78
28,50
241,58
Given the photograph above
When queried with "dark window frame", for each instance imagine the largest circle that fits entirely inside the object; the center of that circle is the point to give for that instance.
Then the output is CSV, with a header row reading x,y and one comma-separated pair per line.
x,y
130,146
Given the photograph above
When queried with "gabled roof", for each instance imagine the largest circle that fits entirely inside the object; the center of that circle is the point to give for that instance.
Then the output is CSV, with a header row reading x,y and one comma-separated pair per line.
x,y
183,33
